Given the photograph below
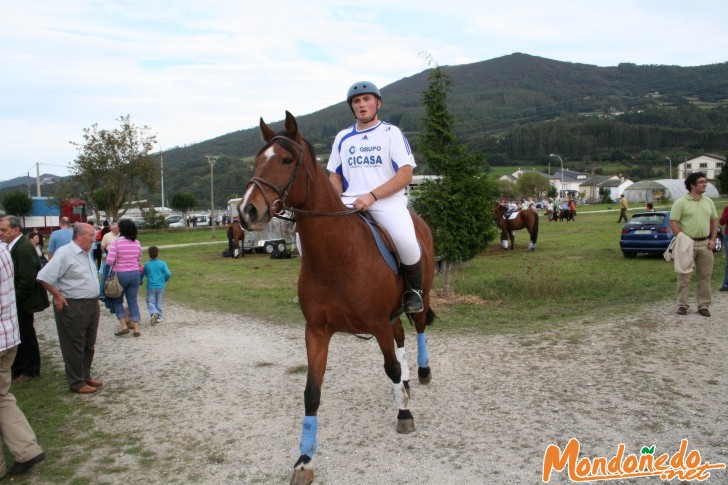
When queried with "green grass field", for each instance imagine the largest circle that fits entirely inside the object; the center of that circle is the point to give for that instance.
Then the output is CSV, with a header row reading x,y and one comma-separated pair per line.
x,y
578,271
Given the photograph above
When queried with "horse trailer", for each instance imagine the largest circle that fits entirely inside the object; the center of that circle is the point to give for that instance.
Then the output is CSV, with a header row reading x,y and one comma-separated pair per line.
x,y
278,233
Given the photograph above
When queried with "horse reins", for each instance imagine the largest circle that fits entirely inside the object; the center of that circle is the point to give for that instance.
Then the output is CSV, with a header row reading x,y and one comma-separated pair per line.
x,y
284,192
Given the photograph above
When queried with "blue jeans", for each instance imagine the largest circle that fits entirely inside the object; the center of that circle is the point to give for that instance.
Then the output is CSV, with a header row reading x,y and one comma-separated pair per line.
x,y
154,301
129,280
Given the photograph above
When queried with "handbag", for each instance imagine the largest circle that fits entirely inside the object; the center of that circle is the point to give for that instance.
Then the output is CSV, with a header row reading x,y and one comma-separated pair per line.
x,y
112,287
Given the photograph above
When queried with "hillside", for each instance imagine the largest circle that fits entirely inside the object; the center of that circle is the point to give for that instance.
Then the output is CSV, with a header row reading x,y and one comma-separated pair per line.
x,y
516,108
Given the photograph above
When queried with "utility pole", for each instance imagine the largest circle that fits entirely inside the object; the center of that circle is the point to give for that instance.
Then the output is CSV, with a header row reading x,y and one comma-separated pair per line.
x,y
37,179
211,159
668,159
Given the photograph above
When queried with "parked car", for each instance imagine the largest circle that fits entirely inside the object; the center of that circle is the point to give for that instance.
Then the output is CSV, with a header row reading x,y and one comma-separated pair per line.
x,y
202,219
649,232
173,218
179,223
138,221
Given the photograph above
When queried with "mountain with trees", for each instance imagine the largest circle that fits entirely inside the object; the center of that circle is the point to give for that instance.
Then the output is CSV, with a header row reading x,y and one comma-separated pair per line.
x,y
512,110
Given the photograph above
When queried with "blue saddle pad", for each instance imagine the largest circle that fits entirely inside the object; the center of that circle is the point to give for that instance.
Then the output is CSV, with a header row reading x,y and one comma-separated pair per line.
x,y
383,249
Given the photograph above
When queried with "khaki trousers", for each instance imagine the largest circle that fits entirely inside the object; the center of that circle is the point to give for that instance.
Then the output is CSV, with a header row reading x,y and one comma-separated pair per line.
x,y
15,430
703,259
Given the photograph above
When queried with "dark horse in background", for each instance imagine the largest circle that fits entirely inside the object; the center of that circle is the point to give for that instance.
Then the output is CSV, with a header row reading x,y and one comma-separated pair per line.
x,y
524,219
236,239
344,285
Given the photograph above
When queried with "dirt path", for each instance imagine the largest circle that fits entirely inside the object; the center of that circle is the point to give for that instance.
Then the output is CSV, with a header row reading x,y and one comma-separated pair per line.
x,y
216,398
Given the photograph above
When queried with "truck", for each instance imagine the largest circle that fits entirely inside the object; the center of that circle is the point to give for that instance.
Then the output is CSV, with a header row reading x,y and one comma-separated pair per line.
x,y
274,238
45,213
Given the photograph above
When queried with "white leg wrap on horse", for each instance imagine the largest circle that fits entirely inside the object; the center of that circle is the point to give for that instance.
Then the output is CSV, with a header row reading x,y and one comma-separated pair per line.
x,y
402,358
505,243
400,395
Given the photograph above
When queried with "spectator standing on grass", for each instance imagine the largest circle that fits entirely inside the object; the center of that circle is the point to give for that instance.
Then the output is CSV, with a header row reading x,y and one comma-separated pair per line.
x,y
72,279
60,237
572,209
724,222
15,430
106,241
30,297
125,257
40,236
650,207
157,274
694,215
35,240
623,205
100,232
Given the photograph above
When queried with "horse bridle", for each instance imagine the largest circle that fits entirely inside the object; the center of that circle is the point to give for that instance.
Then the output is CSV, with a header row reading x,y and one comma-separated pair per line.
x,y
285,191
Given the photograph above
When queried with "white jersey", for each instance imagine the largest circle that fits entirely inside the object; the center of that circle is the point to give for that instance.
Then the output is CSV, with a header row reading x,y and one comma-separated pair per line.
x,y
369,158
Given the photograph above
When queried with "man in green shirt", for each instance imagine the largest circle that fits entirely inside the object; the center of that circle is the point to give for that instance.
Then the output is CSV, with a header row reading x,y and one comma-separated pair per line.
x,y
623,204
696,216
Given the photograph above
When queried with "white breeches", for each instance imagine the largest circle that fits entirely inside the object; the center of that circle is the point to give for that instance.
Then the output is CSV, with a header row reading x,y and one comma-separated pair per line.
x,y
392,214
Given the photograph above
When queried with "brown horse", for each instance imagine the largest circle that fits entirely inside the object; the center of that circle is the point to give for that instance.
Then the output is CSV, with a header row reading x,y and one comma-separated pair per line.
x,y
525,218
345,284
236,239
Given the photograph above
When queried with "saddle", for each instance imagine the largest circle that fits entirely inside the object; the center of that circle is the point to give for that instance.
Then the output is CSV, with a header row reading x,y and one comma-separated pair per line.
x,y
384,242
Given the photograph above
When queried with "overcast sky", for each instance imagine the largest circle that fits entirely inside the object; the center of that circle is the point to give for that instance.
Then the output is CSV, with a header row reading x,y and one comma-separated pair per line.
x,y
192,71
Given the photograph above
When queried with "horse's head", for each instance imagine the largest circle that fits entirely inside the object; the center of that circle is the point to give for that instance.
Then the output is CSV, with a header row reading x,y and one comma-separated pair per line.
x,y
498,211
281,176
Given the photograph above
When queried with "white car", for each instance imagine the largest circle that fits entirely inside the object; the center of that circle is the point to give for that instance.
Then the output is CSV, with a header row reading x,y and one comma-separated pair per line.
x,y
173,218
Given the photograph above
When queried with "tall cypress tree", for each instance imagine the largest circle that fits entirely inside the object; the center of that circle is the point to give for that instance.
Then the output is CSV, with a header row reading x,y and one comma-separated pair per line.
x,y
458,205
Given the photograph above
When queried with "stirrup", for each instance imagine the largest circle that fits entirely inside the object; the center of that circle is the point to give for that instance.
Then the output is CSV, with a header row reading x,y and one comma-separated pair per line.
x,y
412,301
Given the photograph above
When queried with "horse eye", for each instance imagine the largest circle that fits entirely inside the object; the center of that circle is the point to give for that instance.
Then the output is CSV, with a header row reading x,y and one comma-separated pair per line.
x,y
287,161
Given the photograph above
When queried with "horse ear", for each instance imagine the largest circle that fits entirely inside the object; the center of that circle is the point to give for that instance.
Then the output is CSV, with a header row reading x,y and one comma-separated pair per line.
x,y
265,131
291,125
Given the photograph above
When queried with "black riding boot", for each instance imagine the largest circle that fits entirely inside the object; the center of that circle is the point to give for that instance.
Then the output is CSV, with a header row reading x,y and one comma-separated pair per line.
x,y
412,300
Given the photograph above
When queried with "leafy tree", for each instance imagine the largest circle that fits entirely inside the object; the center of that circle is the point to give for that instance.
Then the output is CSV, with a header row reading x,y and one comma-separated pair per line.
x,y
553,192
152,218
505,189
723,179
457,205
183,202
605,195
114,166
17,203
532,184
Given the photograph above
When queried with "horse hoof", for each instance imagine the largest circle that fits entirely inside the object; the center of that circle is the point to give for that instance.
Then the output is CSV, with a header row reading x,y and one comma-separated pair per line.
x,y
424,375
302,477
405,426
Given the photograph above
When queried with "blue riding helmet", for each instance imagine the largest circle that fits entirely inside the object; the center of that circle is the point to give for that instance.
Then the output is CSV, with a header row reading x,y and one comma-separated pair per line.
x,y
362,87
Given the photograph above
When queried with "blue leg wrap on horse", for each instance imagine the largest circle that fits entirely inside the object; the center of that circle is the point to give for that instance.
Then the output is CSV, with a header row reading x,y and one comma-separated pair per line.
x,y
308,435
422,359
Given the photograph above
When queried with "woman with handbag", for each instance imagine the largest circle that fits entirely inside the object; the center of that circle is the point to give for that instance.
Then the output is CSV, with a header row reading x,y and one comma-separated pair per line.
x,y
125,258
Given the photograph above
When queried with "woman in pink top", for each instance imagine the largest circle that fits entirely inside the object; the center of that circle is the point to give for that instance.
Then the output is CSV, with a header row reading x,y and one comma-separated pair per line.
x,y
125,257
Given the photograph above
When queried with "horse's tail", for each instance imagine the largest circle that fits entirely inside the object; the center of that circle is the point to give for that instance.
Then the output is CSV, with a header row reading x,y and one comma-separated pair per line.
x,y
430,317
534,234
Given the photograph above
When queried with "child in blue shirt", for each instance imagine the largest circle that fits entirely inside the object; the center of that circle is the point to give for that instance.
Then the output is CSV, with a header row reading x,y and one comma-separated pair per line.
x,y
157,274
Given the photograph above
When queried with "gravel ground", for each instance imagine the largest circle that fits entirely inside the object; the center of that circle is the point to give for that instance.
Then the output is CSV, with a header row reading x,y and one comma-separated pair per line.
x,y
218,398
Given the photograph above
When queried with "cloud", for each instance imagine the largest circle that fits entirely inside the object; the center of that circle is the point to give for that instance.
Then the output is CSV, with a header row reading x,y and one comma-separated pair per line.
x,y
193,70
